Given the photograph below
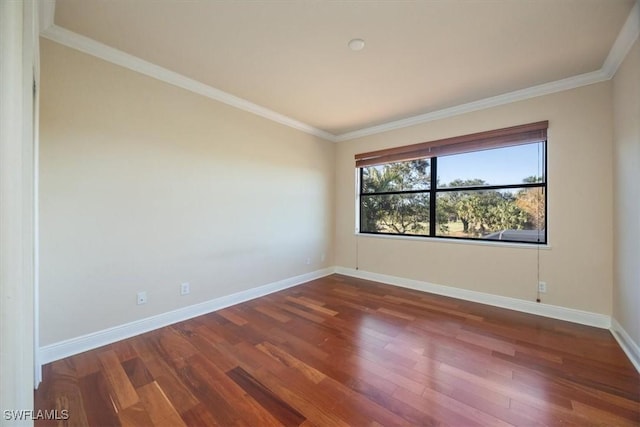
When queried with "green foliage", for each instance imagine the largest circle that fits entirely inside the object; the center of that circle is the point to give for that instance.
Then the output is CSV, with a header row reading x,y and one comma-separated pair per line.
x,y
483,211
480,212
532,179
413,175
396,213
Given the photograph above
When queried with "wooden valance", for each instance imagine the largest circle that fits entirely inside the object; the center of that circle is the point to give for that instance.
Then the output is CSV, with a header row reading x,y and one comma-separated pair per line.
x,y
515,135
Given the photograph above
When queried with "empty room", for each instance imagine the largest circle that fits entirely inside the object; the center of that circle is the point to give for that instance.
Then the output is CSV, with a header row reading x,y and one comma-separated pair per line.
x,y
324,213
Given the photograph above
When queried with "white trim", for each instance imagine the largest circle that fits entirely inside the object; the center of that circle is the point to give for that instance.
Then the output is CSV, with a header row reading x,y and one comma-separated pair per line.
x,y
90,341
630,347
46,12
627,36
620,48
490,243
494,101
18,42
118,57
59,350
43,7
546,310
624,41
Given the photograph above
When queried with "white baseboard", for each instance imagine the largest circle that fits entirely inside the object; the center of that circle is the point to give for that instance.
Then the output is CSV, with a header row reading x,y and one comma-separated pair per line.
x,y
66,348
546,310
629,346
97,339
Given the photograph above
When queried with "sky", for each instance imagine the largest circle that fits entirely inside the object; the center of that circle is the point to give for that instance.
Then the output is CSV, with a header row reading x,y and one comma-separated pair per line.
x,y
497,167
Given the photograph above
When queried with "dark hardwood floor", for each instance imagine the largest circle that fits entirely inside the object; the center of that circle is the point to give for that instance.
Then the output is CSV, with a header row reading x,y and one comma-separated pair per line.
x,y
343,351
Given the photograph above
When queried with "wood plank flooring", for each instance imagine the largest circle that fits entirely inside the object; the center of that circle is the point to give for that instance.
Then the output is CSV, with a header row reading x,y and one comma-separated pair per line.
x,y
342,351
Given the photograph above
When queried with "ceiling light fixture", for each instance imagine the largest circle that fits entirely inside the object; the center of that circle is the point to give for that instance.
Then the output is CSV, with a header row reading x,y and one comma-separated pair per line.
x,y
356,44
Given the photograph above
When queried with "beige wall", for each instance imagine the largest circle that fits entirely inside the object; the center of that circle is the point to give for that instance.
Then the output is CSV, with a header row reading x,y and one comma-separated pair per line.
x,y
626,130
578,265
144,186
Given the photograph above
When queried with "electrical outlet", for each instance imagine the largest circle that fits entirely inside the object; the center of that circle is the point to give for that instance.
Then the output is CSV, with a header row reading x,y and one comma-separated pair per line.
x,y
185,288
323,257
307,261
542,287
142,297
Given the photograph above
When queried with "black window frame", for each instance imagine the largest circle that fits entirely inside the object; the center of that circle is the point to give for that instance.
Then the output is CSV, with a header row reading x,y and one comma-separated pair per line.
x,y
434,190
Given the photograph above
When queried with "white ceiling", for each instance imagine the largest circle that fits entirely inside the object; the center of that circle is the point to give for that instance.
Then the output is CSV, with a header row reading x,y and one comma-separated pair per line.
x,y
420,57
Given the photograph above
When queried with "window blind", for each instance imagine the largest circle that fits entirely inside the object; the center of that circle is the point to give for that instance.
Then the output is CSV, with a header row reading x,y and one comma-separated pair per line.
x,y
515,135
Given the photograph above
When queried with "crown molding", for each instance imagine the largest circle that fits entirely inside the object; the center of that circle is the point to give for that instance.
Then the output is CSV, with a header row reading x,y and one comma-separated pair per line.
x,y
494,101
118,57
626,37
46,12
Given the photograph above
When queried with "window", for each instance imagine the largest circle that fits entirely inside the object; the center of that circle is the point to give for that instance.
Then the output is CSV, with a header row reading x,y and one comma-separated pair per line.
x,y
485,186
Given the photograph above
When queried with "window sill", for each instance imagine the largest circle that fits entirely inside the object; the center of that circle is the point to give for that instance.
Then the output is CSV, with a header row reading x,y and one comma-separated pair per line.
x,y
456,241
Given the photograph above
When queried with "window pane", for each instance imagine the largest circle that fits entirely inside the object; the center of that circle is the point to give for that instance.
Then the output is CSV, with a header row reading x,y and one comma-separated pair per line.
x,y
401,176
500,166
512,215
395,213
